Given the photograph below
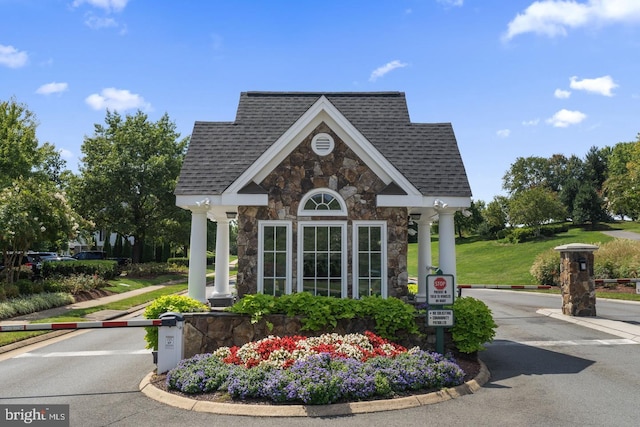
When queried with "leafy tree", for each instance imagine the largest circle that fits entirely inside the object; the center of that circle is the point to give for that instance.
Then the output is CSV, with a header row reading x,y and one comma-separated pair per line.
x,y
526,173
623,183
496,215
468,220
588,205
32,211
18,142
534,207
128,174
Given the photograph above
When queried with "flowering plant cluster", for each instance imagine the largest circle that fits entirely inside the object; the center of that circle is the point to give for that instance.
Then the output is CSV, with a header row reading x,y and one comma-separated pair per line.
x,y
317,377
283,352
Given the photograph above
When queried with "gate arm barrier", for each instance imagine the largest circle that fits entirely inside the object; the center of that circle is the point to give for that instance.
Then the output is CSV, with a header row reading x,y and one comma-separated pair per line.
x,y
87,325
461,287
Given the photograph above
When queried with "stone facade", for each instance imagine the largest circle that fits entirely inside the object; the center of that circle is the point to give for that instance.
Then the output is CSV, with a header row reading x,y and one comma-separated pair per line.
x,y
578,285
341,171
205,332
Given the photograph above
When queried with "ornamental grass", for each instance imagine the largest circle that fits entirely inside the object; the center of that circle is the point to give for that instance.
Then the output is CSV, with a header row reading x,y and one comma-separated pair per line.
x,y
315,370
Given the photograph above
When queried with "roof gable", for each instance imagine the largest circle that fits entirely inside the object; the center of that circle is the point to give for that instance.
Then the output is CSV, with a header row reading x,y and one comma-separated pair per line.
x,y
226,156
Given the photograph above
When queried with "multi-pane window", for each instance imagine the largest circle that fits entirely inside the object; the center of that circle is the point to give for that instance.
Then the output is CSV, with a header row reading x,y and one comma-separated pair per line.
x,y
322,270
322,202
274,274
369,259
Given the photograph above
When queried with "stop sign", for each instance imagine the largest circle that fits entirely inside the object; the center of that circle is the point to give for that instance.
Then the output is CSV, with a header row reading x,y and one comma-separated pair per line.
x,y
440,283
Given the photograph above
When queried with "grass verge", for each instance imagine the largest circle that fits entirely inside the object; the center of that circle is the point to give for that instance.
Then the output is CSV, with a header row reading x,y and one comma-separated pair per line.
x,y
78,315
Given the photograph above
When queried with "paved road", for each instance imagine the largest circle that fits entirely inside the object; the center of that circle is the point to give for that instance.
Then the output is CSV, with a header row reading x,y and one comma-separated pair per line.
x,y
622,234
545,371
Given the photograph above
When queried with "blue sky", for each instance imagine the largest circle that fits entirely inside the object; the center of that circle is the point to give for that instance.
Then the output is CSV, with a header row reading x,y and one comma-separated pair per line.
x,y
516,78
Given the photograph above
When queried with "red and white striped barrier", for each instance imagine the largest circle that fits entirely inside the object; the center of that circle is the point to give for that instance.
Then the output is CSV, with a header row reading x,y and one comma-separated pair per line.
x,y
620,281
504,287
86,325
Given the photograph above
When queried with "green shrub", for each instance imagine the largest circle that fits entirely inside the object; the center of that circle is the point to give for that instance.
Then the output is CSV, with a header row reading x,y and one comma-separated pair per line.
x,y
473,325
150,269
33,303
180,261
617,259
74,284
107,269
318,312
28,287
169,303
546,268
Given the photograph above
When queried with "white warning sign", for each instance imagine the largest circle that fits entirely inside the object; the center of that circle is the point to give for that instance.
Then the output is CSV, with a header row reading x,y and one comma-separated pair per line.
x,y
439,317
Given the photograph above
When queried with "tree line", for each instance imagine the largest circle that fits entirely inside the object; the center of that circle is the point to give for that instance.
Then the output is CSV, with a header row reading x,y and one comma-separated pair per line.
x,y
599,187
124,185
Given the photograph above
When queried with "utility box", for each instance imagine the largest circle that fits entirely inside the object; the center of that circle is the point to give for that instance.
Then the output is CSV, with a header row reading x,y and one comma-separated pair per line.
x,y
576,279
170,342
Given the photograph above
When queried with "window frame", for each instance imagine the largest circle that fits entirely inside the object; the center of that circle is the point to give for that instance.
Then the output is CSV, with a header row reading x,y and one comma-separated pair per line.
x,y
289,253
356,225
303,212
343,248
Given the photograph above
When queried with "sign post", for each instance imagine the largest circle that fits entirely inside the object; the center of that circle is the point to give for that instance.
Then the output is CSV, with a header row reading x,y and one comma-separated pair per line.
x,y
440,292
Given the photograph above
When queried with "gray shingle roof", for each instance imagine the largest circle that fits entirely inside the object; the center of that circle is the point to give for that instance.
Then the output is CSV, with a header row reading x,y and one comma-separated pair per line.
x,y
425,153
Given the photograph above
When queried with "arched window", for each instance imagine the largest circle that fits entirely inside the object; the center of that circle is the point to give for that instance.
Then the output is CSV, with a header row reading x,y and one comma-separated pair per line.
x,y
322,202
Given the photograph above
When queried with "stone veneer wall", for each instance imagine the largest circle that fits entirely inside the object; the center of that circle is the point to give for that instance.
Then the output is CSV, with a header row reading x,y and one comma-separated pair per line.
x,y
578,287
206,332
341,171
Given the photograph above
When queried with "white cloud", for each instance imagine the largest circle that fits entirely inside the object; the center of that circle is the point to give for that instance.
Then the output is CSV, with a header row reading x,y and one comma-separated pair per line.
x,y
116,99
66,154
451,2
96,22
565,118
53,87
108,5
381,71
503,133
562,94
601,85
553,17
533,122
12,57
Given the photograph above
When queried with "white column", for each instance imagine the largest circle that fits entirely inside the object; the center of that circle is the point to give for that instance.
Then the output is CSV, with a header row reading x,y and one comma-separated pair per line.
x,y
221,286
424,258
447,242
198,254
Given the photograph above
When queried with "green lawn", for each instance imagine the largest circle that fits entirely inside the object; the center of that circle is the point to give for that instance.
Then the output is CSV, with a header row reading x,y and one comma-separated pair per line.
x,y
498,263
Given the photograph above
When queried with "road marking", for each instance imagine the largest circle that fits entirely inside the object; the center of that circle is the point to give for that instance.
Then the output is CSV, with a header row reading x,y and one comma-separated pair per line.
x,y
85,353
622,341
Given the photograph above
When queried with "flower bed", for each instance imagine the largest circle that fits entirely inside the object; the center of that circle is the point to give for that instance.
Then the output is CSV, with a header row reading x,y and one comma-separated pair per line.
x,y
315,370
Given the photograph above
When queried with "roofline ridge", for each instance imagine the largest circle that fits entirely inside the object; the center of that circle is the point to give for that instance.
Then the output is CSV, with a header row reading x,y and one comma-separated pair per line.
x,y
334,94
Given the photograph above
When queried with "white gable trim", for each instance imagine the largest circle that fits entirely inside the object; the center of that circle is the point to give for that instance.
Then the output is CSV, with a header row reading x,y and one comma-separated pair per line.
x,y
322,111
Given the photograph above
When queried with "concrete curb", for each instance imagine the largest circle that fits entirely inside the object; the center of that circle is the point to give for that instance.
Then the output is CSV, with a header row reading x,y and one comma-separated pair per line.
x,y
338,409
613,327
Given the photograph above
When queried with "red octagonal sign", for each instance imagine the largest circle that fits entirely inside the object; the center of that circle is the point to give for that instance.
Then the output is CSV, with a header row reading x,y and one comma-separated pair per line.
x,y
440,283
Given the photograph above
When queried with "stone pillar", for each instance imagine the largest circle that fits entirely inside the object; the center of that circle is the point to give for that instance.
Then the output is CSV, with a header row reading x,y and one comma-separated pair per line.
x,y
198,254
576,279
447,242
424,257
221,292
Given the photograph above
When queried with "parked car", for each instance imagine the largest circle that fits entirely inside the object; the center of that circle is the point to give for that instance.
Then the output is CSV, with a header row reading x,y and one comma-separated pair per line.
x,y
90,255
27,260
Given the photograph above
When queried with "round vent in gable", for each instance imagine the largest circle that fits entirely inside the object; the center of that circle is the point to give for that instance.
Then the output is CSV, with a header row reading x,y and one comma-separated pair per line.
x,y
322,144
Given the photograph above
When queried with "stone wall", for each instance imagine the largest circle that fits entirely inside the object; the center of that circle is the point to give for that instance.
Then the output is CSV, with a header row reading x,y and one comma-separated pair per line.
x,y
577,286
341,171
205,332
